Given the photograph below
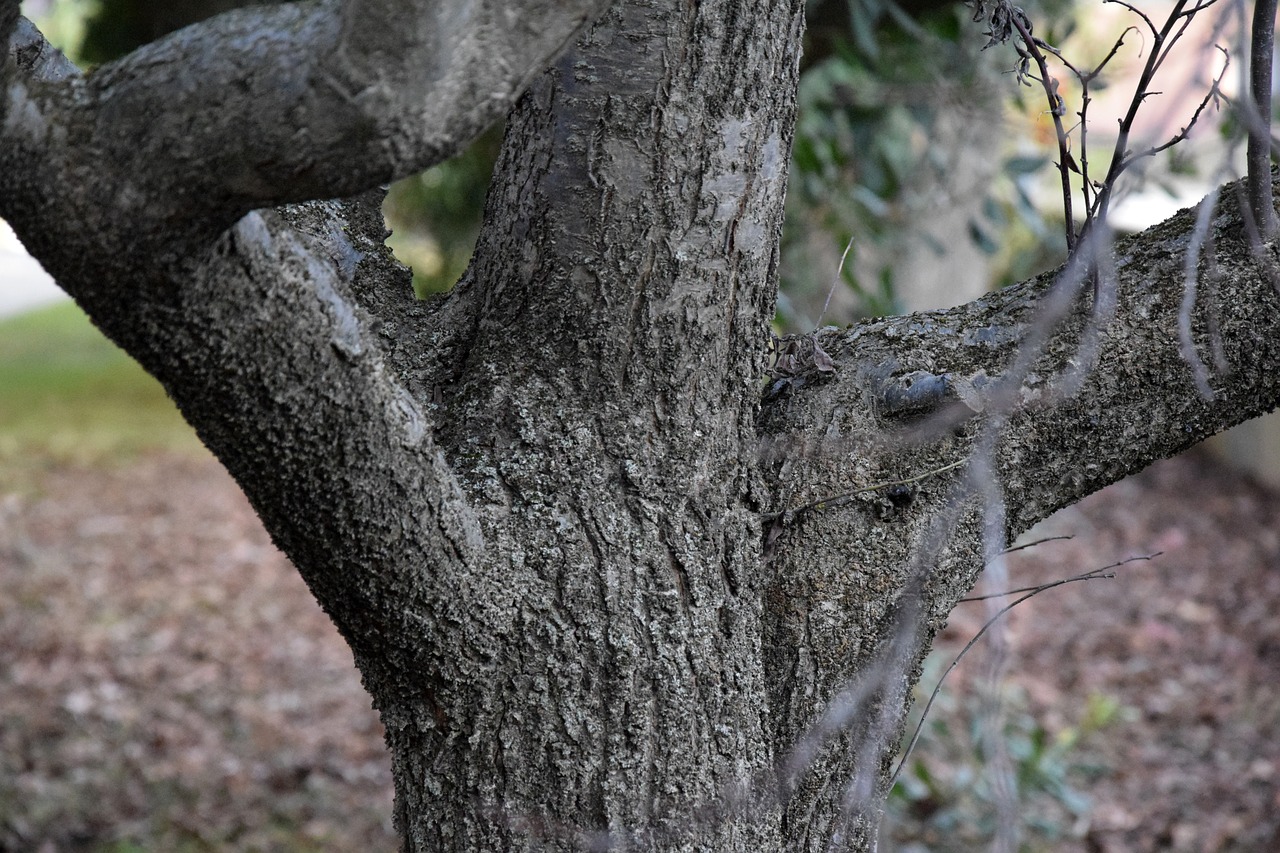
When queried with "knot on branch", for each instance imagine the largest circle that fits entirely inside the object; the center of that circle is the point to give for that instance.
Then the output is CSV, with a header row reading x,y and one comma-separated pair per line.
x,y
913,395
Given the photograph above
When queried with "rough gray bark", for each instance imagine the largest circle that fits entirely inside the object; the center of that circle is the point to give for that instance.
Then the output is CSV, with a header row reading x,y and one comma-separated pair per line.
x,y
297,101
585,566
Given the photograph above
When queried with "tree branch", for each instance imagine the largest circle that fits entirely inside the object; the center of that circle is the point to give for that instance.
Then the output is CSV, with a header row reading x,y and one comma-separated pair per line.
x,y
1139,402
270,373
1057,109
267,105
1257,110
436,74
263,335
36,58
944,432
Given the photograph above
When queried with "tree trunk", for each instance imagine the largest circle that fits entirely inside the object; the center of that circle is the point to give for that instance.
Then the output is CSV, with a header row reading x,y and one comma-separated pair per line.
x,y
601,416
611,583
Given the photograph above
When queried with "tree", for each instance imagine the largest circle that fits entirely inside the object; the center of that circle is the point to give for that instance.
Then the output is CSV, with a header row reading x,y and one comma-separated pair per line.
x,y
611,579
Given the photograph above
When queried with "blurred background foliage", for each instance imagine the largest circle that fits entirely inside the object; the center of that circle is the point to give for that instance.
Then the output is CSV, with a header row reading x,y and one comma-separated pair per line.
x,y
435,216
870,149
894,97
947,799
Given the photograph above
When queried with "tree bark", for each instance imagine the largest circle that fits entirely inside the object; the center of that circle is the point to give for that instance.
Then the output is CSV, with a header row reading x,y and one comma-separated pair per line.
x,y
611,584
603,411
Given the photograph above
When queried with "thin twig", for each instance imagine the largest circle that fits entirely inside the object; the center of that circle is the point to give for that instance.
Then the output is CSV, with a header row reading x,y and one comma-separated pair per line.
x,y
1115,48
1214,93
1036,542
1087,188
972,598
1096,574
1258,154
834,282
1141,14
1141,92
1198,8
841,499
1056,110
1187,17
1190,265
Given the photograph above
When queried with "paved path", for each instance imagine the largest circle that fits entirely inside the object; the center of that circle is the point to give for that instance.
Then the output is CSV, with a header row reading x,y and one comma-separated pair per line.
x,y
24,285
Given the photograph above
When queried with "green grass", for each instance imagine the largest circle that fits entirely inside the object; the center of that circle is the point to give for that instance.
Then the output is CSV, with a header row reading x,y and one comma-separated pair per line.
x,y
68,395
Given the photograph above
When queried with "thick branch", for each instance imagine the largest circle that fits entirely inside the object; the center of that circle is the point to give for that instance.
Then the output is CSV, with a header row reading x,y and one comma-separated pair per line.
x,y
260,338
284,374
37,59
267,105
875,530
1063,433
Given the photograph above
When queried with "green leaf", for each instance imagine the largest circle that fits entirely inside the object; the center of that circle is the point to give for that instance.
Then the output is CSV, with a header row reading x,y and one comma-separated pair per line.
x,y
1025,164
983,240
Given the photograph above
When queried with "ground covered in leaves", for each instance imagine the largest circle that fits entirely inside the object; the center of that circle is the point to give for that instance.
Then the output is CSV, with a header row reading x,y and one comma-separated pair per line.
x,y
166,680
167,683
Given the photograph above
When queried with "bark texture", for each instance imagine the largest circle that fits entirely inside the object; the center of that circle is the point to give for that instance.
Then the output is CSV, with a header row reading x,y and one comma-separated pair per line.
x,y
611,584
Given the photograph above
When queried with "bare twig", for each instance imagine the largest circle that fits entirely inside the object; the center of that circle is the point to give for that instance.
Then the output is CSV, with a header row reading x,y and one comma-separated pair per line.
x,y
1097,195
1198,8
1258,156
1066,164
1119,161
1141,14
787,516
1033,543
1213,95
1104,572
1190,268
835,281
1088,190
1115,48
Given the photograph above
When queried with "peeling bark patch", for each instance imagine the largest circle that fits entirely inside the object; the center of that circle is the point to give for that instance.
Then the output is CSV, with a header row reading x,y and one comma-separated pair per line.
x,y
344,255
727,189
415,422
252,234
22,117
346,338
